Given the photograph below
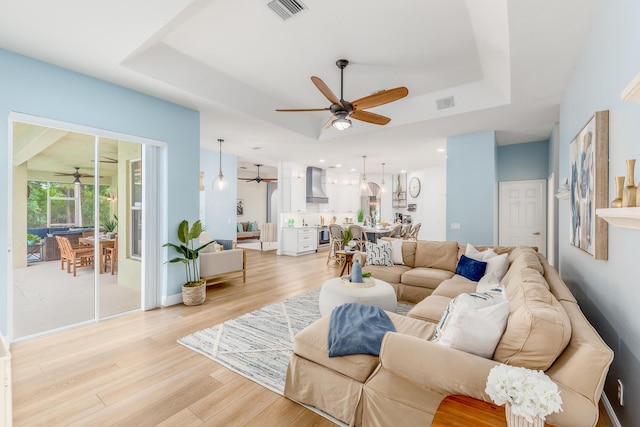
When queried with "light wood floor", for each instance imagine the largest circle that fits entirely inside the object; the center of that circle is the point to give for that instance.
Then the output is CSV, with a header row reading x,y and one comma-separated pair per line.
x,y
130,371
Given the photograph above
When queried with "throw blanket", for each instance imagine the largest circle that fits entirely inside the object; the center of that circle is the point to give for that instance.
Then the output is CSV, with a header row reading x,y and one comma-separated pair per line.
x,y
357,329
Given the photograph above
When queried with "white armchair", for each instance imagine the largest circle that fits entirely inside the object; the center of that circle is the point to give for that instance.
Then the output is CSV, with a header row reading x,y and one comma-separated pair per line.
x,y
217,266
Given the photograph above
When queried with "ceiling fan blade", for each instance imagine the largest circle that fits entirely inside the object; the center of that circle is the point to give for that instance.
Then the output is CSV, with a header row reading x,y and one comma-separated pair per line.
x,y
329,122
369,117
296,110
322,87
380,98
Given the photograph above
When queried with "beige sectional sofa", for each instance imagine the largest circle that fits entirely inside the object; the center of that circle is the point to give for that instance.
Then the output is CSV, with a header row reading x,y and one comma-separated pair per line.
x,y
404,385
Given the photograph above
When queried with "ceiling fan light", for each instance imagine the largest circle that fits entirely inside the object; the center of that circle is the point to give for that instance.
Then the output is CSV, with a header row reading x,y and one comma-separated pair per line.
x,y
341,123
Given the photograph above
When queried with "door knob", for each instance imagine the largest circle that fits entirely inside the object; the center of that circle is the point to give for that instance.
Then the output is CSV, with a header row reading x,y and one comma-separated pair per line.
x,y
537,233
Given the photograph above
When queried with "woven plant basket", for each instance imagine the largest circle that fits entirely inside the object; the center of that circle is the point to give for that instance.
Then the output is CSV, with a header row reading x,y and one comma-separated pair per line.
x,y
194,295
514,420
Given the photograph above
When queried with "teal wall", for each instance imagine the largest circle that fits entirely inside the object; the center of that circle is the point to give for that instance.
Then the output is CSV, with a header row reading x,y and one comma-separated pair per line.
x,y
525,161
472,188
39,89
220,206
608,291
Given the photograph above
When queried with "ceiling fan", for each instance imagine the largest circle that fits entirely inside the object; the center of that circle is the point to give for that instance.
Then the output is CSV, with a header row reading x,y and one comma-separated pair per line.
x,y
258,178
106,159
341,109
77,175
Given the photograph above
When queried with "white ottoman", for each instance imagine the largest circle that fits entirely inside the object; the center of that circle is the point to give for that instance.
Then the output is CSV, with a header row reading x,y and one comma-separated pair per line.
x,y
334,294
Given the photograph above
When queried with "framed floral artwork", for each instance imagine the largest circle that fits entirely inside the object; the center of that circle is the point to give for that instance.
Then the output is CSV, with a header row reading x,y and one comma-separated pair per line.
x,y
589,172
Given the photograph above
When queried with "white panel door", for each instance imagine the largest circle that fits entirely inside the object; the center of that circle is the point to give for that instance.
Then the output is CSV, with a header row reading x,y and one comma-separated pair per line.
x,y
523,217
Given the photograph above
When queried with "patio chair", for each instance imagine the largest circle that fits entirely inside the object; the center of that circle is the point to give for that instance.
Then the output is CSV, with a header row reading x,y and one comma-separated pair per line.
x,y
110,257
74,257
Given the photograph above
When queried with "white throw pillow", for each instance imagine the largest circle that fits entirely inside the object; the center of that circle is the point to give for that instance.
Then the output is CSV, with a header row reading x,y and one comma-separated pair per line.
x,y
474,323
497,264
488,283
396,251
379,254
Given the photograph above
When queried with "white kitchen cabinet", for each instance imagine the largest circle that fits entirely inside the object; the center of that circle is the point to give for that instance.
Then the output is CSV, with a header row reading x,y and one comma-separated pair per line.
x,y
299,240
294,187
349,194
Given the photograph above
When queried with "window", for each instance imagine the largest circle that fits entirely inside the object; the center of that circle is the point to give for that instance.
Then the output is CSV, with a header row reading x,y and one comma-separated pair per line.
x,y
135,207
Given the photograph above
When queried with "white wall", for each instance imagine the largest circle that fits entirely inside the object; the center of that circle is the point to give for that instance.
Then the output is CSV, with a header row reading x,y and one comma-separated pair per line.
x,y
255,201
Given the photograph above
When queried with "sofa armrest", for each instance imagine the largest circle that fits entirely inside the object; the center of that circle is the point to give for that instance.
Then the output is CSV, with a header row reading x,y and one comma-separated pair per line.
x,y
439,368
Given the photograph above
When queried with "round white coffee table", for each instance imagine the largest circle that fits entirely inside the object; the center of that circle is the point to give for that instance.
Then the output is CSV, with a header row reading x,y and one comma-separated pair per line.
x,y
333,294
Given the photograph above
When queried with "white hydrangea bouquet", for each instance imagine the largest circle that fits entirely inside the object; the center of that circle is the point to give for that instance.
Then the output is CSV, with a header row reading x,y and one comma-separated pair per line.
x,y
531,394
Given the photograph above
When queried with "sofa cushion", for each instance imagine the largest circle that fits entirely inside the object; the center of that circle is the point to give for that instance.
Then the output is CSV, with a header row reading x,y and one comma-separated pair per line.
x,y
387,274
430,309
470,268
474,323
441,255
312,344
538,329
455,286
425,277
496,264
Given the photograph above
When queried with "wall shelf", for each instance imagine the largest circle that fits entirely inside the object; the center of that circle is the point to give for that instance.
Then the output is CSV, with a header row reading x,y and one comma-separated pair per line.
x,y
621,217
632,91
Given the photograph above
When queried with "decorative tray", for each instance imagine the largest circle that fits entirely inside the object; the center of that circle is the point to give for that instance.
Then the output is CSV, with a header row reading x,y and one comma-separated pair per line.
x,y
367,282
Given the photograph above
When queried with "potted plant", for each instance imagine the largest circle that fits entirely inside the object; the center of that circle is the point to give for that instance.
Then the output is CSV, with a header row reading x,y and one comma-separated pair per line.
x,y
32,239
360,216
346,237
109,226
194,291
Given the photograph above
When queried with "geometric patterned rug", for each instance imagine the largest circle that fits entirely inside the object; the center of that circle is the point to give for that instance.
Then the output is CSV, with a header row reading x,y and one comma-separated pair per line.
x,y
257,345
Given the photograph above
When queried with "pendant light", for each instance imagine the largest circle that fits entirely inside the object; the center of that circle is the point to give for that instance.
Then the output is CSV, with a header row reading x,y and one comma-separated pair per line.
x,y
383,186
365,190
220,182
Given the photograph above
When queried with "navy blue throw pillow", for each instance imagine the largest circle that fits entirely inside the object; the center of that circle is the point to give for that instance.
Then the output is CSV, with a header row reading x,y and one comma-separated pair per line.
x,y
470,268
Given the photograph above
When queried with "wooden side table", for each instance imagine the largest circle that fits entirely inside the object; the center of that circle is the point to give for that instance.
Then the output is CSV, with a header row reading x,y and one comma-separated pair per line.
x,y
348,257
464,411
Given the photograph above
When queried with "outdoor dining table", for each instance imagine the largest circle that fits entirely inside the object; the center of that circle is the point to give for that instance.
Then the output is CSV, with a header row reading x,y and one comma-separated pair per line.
x,y
104,243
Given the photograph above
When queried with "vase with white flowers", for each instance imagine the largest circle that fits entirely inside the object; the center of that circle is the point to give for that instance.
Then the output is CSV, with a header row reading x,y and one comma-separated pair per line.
x,y
528,395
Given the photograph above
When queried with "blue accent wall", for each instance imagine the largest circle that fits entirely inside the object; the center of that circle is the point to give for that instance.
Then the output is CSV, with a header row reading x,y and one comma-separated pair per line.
x,y
608,291
472,188
220,206
36,88
518,162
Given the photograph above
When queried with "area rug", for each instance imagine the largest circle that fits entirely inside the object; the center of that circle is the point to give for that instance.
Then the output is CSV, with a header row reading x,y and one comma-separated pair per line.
x,y
257,345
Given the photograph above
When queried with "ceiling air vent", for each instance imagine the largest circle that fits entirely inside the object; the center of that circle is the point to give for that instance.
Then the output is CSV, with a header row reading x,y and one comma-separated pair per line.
x,y
443,103
286,9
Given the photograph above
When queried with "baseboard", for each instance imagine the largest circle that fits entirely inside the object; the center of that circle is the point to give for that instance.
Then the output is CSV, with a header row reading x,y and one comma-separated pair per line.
x,y
610,412
172,300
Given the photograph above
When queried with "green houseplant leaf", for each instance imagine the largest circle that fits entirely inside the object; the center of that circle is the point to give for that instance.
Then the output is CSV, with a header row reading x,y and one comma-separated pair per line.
x,y
188,254
110,225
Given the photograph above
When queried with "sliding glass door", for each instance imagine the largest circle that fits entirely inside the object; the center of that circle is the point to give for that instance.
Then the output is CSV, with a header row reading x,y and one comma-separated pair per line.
x,y
76,244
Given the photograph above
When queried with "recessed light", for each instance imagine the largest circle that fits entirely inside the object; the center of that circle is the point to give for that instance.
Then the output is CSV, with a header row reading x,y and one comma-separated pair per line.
x,y
352,169
338,165
403,171
321,160
440,150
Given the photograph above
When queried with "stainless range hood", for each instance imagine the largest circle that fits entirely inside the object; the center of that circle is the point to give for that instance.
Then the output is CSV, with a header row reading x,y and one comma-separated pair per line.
x,y
315,194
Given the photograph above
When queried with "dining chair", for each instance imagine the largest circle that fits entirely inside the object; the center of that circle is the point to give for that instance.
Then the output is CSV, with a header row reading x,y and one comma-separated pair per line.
x,y
74,257
395,231
413,233
359,236
336,242
404,233
110,257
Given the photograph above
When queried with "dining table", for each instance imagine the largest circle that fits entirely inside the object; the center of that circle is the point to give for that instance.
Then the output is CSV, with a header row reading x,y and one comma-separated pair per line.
x,y
374,233
104,243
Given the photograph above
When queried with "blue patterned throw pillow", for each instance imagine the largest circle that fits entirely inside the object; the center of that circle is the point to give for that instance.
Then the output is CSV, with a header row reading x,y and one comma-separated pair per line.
x,y
470,268
379,254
